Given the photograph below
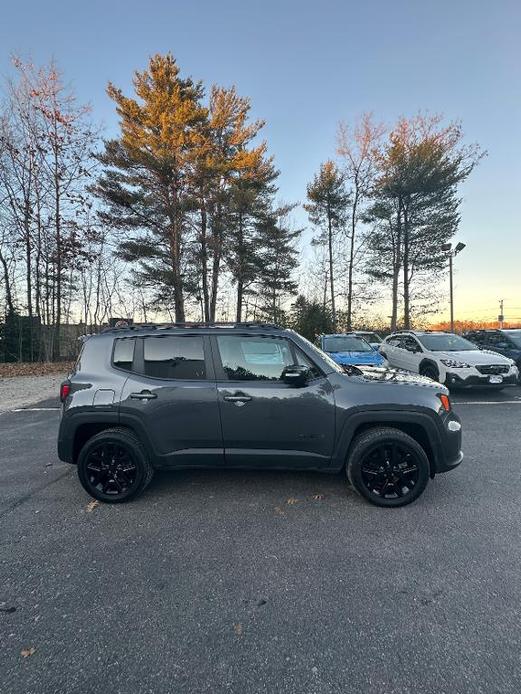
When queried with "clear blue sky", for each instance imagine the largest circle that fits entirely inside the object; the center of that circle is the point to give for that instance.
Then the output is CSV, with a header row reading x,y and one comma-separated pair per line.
x,y
306,65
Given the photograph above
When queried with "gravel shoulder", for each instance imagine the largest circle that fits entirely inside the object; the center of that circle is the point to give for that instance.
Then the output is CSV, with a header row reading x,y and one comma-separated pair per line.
x,y
22,391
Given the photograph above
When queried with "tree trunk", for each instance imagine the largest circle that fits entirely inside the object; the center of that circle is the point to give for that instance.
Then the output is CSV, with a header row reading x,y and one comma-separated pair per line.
x,y
396,270
240,291
204,263
28,280
351,262
216,262
406,294
331,278
7,282
240,270
179,304
58,278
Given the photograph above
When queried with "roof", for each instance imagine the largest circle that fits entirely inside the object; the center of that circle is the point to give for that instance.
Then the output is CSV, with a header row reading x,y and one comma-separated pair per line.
x,y
493,330
354,333
419,332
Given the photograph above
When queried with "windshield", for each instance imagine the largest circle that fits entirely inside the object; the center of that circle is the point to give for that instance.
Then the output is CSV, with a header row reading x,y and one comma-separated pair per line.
x,y
371,337
346,343
515,336
446,343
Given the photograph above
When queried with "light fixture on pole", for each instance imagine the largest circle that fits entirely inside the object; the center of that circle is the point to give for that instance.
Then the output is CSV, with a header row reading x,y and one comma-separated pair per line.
x,y
451,252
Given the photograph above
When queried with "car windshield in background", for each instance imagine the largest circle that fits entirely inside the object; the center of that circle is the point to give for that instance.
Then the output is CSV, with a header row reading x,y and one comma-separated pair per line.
x,y
446,343
515,336
323,355
372,337
346,343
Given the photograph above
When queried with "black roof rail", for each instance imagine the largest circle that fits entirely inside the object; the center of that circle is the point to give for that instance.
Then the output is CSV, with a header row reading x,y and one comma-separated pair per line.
x,y
193,324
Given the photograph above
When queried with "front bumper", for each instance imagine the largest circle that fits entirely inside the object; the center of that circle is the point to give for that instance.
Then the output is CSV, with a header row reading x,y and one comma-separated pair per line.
x,y
456,380
451,464
449,453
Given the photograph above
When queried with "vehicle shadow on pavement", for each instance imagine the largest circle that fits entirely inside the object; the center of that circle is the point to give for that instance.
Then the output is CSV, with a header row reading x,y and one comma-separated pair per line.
x,y
256,483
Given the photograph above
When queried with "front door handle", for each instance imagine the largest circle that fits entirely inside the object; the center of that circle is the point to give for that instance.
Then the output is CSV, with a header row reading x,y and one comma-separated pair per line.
x,y
238,399
144,395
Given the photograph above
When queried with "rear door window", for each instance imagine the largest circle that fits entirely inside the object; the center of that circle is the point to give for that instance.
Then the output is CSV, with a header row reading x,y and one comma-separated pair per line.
x,y
174,357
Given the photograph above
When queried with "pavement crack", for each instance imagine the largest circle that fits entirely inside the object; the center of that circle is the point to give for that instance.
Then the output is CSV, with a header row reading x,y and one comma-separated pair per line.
x,y
32,493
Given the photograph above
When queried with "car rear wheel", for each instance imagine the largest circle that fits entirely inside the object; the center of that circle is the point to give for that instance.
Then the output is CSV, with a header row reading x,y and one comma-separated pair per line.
x,y
388,467
113,466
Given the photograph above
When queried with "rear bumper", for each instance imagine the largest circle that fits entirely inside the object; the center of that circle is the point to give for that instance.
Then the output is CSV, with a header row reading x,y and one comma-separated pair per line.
x,y
65,444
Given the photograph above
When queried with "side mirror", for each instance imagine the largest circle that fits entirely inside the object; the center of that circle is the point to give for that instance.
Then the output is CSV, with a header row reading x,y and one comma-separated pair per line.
x,y
296,375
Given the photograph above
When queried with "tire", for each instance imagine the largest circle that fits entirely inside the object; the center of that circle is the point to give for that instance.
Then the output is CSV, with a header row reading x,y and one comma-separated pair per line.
x,y
368,470
430,372
113,466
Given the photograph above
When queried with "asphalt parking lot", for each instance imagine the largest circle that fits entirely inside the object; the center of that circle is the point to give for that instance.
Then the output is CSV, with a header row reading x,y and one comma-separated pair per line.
x,y
245,582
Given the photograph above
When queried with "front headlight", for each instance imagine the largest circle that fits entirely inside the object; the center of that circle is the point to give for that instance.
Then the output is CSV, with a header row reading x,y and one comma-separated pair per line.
x,y
454,364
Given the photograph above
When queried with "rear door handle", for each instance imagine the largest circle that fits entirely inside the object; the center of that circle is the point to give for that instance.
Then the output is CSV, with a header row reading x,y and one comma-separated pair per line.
x,y
144,395
238,399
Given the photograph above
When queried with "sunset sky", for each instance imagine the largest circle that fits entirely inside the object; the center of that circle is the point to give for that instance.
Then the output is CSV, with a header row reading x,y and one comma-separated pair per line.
x,y
305,66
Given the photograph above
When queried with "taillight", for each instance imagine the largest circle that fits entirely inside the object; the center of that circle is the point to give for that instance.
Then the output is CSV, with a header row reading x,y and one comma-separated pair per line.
x,y
445,402
65,389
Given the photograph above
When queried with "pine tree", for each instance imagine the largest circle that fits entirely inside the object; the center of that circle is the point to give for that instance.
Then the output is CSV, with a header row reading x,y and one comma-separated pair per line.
x,y
278,262
327,208
416,203
223,156
146,181
249,202
310,318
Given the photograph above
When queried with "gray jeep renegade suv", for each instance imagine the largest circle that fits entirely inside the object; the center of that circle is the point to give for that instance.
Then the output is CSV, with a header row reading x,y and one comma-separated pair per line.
x,y
247,395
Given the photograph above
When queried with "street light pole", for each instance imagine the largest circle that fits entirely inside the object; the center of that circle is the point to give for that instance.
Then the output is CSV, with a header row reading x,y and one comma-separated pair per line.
x,y
451,256
447,248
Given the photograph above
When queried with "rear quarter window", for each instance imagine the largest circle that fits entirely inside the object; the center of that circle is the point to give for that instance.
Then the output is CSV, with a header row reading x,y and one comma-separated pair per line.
x,y
123,355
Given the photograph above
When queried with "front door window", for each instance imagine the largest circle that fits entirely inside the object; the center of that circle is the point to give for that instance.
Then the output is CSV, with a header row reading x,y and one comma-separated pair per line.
x,y
254,358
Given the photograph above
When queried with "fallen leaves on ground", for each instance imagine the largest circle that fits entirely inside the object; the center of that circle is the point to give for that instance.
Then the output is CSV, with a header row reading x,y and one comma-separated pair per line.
x,y
12,369
92,505
27,652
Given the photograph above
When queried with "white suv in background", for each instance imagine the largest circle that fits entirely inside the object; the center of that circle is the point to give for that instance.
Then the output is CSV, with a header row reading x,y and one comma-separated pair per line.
x,y
448,359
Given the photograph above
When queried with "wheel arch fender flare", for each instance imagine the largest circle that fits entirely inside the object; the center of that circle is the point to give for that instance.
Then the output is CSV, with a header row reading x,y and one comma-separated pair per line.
x,y
428,362
417,423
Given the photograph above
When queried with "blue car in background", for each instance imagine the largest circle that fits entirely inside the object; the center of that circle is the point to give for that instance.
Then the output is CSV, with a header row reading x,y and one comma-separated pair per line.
x,y
348,349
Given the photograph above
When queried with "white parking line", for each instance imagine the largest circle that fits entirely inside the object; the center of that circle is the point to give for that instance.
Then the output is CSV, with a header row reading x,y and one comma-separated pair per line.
x,y
35,409
484,402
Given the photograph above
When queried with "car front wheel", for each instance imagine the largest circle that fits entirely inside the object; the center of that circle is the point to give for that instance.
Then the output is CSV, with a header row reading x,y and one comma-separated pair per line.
x,y
388,467
113,466
430,372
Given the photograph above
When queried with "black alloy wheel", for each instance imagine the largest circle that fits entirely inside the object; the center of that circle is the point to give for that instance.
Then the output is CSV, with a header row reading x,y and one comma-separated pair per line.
x,y
111,470
390,471
388,467
113,466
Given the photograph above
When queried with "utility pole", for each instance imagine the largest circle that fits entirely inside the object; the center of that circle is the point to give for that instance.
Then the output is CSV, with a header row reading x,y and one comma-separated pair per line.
x,y
501,316
451,253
